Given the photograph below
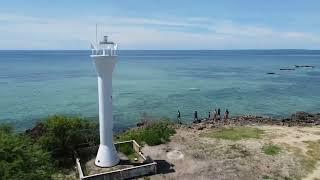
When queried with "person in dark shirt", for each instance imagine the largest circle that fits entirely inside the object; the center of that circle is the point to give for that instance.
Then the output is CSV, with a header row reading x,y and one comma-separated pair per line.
x,y
195,116
226,118
209,115
179,117
219,113
227,114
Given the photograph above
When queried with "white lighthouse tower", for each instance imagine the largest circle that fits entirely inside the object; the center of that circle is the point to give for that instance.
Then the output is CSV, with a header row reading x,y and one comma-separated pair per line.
x,y
104,56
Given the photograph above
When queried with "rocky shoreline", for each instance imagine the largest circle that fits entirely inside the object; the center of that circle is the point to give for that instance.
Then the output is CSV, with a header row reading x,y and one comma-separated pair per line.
x,y
297,119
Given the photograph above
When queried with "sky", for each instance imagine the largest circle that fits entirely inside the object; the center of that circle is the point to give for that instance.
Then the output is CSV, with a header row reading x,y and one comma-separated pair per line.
x,y
160,24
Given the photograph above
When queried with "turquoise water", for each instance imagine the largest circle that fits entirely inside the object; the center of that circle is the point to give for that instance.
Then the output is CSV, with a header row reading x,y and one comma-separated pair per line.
x,y
35,84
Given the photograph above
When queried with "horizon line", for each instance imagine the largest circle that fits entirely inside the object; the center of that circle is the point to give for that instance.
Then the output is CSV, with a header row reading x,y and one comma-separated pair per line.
x,y
280,49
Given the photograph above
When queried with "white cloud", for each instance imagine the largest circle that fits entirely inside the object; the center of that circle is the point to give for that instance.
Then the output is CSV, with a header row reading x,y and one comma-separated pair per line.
x,y
24,32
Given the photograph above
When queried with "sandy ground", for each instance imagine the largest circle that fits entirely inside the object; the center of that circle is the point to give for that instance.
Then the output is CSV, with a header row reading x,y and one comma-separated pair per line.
x,y
293,136
191,156
315,175
296,137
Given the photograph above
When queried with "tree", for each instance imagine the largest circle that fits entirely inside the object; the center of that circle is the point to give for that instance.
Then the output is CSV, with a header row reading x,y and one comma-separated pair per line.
x,y
63,135
20,159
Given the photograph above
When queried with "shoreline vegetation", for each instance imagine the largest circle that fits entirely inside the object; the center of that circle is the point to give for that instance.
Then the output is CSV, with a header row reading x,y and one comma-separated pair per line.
x,y
47,150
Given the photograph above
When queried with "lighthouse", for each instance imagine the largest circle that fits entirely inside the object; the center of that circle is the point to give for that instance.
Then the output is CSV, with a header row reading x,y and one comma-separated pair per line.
x,y
104,56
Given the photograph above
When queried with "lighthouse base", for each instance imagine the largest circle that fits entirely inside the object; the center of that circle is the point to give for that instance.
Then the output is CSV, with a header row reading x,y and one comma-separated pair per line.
x,y
107,156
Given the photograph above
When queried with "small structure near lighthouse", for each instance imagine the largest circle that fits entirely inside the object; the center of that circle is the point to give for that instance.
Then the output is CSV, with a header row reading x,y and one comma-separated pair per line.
x,y
104,56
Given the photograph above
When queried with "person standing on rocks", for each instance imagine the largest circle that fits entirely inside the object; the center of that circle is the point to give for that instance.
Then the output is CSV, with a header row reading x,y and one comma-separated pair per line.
x,y
219,113
209,115
195,116
214,115
227,114
179,117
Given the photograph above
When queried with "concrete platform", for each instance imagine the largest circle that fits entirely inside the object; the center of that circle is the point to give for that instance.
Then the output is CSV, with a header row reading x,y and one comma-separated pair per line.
x,y
136,165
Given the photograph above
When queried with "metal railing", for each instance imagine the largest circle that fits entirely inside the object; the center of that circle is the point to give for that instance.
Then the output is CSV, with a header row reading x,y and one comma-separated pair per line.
x,y
104,51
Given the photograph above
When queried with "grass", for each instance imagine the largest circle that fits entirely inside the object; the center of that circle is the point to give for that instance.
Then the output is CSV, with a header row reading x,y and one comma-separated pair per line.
x,y
133,156
271,149
155,133
235,134
65,175
127,149
266,177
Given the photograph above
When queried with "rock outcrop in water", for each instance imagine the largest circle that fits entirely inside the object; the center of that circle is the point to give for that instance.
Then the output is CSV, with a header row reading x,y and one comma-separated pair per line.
x,y
287,69
308,66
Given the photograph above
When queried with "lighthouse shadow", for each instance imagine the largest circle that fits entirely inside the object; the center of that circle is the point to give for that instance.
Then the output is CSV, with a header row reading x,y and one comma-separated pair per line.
x,y
164,167
129,163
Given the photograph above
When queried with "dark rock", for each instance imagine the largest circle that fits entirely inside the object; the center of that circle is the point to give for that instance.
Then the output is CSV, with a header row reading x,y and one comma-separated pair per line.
x,y
140,124
297,119
197,121
300,116
37,131
287,69
308,66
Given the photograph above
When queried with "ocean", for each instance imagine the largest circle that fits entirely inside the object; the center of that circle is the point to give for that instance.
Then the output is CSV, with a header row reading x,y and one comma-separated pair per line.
x,y
37,84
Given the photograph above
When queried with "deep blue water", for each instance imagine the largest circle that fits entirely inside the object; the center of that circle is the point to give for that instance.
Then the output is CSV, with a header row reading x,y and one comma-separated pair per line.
x,y
36,84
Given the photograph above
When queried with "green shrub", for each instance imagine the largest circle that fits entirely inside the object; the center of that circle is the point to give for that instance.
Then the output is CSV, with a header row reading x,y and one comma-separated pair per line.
x,y
35,154
63,135
265,177
125,148
271,149
154,133
20,159
6,128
